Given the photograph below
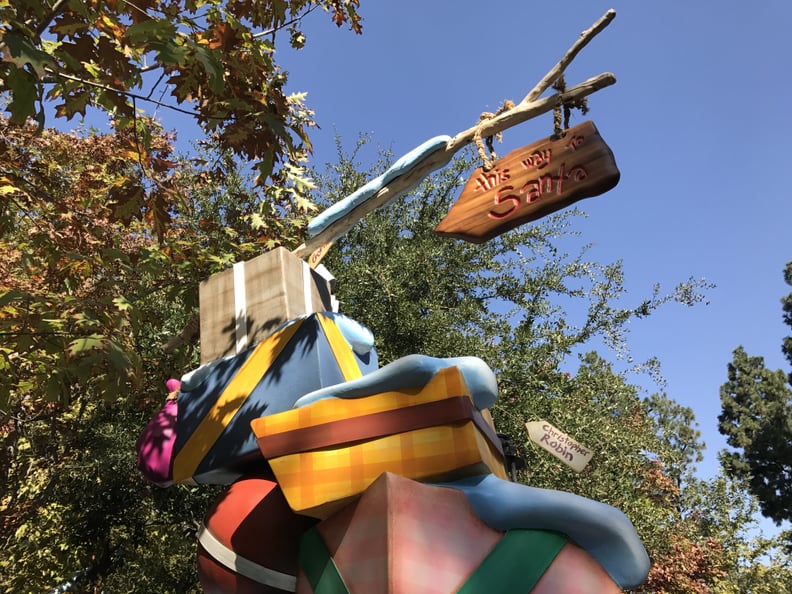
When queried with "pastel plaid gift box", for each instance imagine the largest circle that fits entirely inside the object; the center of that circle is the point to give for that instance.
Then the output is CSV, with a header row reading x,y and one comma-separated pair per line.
x,y
400,536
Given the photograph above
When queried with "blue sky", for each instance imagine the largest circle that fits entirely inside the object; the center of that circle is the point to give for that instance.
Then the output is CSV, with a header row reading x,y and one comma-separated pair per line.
x,y
698,121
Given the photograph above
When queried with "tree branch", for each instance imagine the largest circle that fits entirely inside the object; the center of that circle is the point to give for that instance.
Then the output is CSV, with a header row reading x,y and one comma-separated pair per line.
x,y
517,115
528,108
45,22
129,94
286,23
573,51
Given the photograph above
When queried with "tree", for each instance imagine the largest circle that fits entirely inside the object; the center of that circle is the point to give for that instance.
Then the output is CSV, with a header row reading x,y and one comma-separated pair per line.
x,y
786,306
526,307
86,303
756,419
723,509
73,510
212,58
102,241
681,445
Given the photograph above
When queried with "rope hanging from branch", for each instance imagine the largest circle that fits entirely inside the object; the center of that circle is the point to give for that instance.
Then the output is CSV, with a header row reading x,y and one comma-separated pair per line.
x,y
566,106
487,159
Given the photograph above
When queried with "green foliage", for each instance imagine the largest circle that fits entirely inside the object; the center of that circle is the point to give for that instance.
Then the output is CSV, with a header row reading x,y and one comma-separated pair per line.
x,y
514,288
786,306
89,293
103,239
67,271
756,419
85,294
81,511
86,302
89,298
762,566
680,440
527,308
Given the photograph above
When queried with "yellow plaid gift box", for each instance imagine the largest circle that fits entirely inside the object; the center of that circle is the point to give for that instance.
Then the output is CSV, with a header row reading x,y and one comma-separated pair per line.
x,y
328,452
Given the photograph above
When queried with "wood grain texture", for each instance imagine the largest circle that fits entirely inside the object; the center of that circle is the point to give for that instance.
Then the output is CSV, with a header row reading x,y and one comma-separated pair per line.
x,y
532,182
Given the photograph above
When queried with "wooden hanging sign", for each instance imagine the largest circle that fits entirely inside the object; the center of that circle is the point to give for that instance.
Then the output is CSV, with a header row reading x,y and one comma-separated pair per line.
x,y
530,183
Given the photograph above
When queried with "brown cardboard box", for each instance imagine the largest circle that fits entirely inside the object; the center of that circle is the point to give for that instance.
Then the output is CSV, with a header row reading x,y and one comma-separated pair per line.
x,y
243,305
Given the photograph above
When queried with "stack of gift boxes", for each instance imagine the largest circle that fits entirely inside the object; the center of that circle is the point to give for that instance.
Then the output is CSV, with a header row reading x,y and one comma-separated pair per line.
x,y
340,494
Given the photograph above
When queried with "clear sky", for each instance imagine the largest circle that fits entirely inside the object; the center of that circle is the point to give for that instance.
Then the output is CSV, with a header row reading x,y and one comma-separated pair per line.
x,y
699,123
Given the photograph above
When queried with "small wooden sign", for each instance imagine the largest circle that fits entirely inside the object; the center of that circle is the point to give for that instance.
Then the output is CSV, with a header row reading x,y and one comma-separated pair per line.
x,y
532,182
319,253
559,444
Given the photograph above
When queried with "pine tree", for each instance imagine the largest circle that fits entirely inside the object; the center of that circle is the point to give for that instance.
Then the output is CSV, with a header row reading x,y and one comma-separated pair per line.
x,y
756,419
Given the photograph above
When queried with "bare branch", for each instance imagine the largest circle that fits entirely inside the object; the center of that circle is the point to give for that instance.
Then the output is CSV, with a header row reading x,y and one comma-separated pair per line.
x,y
573,51
527,110
518,114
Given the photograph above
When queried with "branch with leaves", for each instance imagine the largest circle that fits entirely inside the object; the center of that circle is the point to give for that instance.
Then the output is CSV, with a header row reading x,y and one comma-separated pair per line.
x,y
216,59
